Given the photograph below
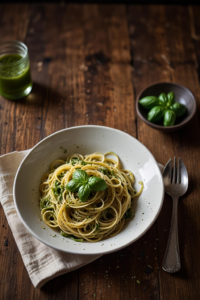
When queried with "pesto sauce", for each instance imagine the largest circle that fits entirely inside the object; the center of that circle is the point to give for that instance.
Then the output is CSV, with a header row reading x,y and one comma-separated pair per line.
x,y
14,79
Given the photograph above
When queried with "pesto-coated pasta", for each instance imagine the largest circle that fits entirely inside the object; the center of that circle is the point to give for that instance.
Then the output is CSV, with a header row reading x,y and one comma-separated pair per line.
x,y
104,213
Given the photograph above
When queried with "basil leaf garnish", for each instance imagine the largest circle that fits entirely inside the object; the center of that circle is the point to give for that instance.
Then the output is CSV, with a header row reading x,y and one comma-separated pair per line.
x,y
97,184
170,98
155,114
84,192
164,107
80,176
73,186
169,118
163,98
178,108
83,185
149,102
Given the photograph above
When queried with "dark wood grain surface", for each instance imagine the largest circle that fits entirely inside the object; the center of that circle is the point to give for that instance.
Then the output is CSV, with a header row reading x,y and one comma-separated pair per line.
x,y
88,64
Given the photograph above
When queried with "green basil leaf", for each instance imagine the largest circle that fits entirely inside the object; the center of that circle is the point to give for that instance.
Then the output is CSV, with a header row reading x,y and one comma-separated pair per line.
x,y
163,98
84,192
178,108
169,118
73,186
170,98
97,184
155,114
80,176
149,102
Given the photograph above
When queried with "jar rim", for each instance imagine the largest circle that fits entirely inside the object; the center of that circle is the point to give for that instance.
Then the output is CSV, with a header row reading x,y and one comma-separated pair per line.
x,y
17,43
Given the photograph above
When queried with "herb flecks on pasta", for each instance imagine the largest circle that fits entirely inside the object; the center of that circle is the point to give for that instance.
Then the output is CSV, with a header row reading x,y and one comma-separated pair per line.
x,y
104,208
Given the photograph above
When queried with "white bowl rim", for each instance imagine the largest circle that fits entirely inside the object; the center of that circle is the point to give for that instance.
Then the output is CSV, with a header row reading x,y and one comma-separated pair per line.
x,y
97,252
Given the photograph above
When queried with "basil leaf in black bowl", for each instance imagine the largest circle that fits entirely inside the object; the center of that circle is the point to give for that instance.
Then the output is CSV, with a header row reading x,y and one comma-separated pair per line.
x,y
179,103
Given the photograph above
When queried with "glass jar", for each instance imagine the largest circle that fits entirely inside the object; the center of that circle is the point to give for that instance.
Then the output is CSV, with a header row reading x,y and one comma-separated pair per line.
x,y
15,77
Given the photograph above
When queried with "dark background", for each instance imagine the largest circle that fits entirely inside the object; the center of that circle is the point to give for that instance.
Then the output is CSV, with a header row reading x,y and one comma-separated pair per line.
x,y
180,2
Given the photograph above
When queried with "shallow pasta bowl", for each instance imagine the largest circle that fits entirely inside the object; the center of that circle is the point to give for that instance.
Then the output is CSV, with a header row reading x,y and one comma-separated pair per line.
x,y
134,156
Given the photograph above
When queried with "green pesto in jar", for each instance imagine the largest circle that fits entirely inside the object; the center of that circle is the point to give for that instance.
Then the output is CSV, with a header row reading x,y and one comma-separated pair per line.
x,y
15,78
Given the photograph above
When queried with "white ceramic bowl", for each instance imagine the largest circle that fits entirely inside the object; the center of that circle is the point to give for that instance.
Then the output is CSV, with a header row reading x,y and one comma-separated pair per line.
x,y
88,139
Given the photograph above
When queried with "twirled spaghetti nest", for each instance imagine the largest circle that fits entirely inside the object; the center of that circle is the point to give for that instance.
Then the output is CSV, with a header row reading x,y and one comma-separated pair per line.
x,y
103,214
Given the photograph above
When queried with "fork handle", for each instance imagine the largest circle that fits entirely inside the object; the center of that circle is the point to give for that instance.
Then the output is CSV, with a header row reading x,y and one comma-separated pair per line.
x,y
171,262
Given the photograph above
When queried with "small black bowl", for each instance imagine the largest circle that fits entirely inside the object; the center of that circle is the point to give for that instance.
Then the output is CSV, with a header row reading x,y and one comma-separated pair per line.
x,y
182,95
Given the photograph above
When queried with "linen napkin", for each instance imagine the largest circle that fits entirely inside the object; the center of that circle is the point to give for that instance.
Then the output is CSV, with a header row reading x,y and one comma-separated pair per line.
x,y
42,262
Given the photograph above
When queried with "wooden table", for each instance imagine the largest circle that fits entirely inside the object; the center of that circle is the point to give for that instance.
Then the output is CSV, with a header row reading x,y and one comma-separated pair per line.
x,y
88,63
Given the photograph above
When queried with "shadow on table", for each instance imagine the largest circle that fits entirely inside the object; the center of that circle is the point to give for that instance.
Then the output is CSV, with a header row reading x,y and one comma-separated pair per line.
x,y
62,285
41,94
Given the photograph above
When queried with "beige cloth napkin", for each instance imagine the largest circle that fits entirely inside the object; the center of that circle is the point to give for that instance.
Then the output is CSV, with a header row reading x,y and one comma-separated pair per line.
x,y
42,262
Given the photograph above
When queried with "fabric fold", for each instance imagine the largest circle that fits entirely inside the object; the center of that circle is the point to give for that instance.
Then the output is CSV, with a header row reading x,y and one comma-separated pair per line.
x,y
42,262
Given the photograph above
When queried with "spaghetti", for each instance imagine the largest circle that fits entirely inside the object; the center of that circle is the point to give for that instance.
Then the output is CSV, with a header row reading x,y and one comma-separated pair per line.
x,y
103,214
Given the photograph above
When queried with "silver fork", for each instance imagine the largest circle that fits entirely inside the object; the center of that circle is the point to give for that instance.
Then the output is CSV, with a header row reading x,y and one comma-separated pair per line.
x,y
176,185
